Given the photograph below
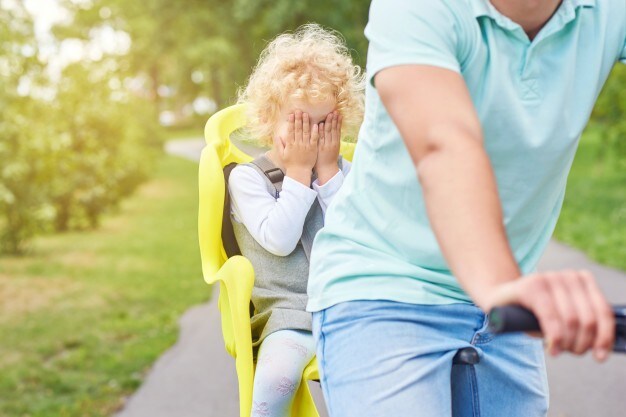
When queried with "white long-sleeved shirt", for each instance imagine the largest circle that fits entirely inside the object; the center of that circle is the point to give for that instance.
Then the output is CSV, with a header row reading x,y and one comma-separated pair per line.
x,y
276,224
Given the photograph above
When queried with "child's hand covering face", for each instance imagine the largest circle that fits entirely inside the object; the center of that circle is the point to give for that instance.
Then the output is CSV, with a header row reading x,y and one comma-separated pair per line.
x,y
298,148
297,138
328,147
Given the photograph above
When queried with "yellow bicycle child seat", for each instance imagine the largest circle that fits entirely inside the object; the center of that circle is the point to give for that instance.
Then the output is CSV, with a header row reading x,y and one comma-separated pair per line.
x,y
235,274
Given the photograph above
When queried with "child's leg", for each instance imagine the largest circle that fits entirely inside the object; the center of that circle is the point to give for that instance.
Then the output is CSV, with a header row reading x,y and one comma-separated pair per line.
x,y
283,355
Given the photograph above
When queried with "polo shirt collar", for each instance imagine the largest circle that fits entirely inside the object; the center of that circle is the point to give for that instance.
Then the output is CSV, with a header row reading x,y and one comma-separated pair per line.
x,y
563,15
485,8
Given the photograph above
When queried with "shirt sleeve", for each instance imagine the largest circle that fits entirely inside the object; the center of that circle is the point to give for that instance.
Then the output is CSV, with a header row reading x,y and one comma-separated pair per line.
x,y
623,56
276,224
326,192
402,32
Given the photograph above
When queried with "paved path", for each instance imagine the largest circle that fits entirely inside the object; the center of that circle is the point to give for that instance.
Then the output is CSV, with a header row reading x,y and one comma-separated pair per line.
x,y
196,378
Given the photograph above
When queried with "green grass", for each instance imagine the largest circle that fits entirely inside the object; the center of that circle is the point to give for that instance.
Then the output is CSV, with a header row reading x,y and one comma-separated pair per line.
x,y
594,214
84,315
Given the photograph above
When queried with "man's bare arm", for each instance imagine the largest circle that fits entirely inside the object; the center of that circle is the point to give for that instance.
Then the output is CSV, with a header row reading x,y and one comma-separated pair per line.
x,y
434,113
435,116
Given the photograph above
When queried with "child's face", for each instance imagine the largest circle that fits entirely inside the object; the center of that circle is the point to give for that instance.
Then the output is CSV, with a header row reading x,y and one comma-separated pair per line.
x,y
317,111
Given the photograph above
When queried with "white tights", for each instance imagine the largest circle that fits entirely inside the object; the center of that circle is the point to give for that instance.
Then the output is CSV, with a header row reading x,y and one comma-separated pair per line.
x,y
283,355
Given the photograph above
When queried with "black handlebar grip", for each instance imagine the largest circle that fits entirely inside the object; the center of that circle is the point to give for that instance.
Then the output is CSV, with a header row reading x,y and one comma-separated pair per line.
x,y
620,328
519,319
512,319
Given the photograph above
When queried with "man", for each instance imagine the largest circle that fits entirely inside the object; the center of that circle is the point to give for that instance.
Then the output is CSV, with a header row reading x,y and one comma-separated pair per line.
x,y
486,101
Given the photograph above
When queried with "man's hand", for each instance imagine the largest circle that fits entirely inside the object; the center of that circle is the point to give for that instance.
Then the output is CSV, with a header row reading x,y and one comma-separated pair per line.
x,y
299,149
328,148
573,314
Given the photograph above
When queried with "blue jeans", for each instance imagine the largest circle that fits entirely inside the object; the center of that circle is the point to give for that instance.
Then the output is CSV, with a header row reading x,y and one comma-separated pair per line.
x,y
389,359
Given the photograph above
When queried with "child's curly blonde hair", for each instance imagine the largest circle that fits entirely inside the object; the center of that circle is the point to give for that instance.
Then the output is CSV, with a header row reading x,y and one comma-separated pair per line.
x,y
311,64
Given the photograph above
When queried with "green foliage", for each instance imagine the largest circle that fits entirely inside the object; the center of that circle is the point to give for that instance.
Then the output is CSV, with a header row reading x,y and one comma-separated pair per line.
x,y
66,163
104,153
26,163
23,168
208,47
69,150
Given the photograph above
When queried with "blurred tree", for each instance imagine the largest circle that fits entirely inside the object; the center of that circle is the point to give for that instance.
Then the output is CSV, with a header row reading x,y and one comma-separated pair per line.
x,y
21,207
70,149
26,165
207,47
264,19
170,42
103,138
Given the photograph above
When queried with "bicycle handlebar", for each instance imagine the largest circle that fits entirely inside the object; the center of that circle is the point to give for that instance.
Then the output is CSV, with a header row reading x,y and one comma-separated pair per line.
x,y
509,319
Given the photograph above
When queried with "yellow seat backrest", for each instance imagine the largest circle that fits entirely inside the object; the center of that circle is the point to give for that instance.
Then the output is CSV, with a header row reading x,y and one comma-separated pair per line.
x,y
235,274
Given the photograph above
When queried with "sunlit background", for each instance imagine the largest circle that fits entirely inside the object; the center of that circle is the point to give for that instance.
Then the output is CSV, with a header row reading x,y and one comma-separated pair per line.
x,y
98,248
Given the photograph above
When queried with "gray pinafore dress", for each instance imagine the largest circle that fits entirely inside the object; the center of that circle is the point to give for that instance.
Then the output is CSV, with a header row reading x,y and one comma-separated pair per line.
x,y
279,294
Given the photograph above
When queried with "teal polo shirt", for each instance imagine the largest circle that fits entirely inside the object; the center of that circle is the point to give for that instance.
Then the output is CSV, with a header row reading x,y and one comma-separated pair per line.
x,y
533,99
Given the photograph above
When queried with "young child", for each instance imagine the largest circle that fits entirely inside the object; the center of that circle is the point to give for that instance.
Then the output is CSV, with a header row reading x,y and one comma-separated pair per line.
x,y
303,92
